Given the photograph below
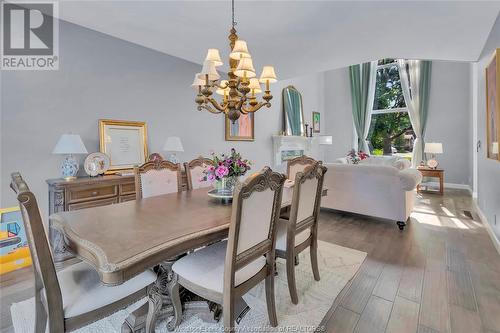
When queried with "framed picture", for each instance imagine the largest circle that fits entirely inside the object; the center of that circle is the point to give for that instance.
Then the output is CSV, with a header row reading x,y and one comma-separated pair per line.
x,y
242,129
316,122
493,106
125,142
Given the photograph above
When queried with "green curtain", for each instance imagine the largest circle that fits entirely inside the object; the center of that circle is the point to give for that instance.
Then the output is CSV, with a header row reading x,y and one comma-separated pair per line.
x,y
362,77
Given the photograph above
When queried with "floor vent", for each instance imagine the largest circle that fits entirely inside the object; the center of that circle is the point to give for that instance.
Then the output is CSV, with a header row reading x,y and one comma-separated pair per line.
x,y
468,214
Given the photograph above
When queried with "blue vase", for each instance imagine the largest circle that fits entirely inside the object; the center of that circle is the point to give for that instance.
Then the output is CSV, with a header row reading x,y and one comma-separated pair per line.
x,y
69,168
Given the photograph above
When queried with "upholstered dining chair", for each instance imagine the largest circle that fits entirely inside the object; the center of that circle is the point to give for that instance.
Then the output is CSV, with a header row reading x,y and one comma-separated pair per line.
x,y
298,164
300,230
226,270
157,178
74,296
194,172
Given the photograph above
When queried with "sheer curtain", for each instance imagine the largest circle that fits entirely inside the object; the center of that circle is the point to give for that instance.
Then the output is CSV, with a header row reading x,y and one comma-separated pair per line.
x,y
416,82
363,78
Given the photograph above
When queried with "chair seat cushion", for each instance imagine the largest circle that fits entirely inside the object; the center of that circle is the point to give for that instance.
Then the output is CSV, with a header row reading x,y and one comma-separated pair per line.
x,y
281,230
82,290
205,268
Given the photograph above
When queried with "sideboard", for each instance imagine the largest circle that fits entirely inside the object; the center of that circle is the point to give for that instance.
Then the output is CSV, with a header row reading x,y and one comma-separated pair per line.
x,y
86,192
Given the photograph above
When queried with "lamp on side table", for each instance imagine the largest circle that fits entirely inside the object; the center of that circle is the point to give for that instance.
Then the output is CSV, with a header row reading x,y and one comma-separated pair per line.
x,y
69,144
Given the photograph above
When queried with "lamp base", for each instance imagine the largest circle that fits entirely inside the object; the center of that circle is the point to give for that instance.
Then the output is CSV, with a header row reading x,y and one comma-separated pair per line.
x,y
69,168
173,158
432,163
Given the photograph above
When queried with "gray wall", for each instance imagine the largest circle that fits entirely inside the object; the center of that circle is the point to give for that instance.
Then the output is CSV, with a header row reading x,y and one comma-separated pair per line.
x,y
488,169
449,119
103,77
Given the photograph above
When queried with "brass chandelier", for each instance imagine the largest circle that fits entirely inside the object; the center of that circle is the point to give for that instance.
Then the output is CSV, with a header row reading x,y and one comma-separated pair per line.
x,y
239,91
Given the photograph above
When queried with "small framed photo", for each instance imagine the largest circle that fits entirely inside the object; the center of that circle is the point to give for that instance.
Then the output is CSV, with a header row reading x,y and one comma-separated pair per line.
x,y
493,106
316,122
125,142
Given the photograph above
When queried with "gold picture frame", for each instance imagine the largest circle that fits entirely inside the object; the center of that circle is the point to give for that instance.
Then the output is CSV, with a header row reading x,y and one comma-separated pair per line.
x,y
125,142
492,76
316,122
242,130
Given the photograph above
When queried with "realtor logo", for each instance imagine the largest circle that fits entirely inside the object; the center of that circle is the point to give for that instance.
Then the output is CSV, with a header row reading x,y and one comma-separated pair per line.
x,y
30,36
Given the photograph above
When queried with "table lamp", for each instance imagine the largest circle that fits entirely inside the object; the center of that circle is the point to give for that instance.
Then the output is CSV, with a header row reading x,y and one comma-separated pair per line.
x,y
69,144
173,145
433,148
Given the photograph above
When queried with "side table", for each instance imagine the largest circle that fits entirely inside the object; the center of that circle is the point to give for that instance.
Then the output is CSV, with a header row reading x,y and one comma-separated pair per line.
x,y
435,173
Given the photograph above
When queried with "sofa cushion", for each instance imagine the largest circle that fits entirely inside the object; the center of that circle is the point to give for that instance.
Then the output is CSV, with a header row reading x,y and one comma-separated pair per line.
x,y
205,267
82,290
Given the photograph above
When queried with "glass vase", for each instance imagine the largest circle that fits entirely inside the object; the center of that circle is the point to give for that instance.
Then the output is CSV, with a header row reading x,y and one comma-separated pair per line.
x,y
226,185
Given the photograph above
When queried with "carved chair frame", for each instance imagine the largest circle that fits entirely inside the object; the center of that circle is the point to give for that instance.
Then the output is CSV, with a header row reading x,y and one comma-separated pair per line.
x,y
50,304
295,227
156,165
302,160
188,166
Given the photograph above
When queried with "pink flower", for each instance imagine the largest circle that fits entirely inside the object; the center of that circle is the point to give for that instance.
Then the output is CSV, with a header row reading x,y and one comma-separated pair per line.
x,y
210,177
221,171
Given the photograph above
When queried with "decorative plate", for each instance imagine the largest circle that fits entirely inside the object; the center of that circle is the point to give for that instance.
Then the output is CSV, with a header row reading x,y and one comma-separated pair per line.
x,y
432,163
96,164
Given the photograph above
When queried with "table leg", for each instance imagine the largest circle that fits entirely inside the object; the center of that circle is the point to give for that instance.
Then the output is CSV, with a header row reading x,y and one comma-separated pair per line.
x,y
441,184
154,305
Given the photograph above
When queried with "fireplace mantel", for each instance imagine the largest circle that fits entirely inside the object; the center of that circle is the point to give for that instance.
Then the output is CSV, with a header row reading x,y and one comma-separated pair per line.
x,y
308,146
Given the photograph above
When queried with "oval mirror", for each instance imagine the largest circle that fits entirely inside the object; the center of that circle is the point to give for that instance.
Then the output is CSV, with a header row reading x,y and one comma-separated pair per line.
x,y
293,113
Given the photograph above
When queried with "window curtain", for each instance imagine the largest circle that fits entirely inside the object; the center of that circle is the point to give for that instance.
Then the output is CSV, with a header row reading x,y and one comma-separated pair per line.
x,y
363,78
416,83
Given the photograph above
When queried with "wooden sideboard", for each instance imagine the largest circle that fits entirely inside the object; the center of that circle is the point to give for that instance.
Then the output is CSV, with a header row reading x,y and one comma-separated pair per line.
x,y
86,192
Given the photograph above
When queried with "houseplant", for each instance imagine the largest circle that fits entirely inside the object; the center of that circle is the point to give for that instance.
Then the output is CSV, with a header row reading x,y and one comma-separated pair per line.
x,y
225,170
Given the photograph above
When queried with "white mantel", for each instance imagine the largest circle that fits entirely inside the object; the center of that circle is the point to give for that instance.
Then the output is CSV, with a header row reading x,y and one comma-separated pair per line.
x,y
310,146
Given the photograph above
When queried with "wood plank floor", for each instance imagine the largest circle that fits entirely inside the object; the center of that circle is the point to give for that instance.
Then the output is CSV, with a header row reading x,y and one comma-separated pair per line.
x,y
442,274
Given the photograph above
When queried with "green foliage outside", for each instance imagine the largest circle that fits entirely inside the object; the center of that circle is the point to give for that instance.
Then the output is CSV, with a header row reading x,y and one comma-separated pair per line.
x,y
387,129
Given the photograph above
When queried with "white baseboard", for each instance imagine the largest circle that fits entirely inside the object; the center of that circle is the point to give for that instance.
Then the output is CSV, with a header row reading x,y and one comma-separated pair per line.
x,y
484,220
451,185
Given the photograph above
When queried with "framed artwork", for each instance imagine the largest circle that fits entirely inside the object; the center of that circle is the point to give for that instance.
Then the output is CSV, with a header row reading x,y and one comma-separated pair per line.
x,y
316,122
493,106
125,142
242,129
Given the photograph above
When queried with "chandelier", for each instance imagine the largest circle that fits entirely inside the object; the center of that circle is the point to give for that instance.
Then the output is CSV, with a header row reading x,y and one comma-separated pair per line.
x,y
240,90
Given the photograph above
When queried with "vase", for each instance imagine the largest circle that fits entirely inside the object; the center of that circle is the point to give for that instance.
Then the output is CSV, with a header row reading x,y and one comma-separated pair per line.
x,y
226,185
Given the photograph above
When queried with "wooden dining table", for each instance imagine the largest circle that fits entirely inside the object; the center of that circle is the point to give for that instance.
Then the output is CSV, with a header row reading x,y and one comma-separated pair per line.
x,y
125,239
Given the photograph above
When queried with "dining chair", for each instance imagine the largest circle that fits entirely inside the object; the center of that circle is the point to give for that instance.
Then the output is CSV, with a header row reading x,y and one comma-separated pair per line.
x,y
226,270
156,178
74,296
194,171
298,164
300,230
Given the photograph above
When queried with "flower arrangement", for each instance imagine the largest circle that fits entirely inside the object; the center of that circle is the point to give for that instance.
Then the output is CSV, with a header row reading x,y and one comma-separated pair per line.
x,y
354,157
226,166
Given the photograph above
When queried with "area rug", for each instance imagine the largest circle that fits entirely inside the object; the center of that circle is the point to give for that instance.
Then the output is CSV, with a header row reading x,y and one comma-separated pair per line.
x,y
337,264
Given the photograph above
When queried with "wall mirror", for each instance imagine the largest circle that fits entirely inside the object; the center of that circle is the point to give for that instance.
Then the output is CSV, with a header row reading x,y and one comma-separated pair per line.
x,y
293,113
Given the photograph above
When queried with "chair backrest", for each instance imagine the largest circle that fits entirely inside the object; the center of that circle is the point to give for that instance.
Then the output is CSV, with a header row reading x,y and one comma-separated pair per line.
x,y
298,164
194,172
256,208
157,178
44,270
306,198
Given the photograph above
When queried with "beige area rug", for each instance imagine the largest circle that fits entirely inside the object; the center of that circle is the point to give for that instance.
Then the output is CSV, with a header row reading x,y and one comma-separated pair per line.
x,y
337,264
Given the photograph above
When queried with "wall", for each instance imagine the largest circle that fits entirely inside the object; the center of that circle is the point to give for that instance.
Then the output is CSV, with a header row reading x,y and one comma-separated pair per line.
x,y
488,170
338,107
450,118
104,77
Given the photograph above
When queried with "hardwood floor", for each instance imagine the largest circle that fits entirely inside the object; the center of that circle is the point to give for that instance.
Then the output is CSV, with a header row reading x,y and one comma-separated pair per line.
x,y
442,274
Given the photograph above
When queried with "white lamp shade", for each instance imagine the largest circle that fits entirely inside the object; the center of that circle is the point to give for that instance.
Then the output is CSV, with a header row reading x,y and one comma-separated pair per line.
x,y
325,140
213,55
268,75
255,86
494,147
240,50
221,91
209,69
245,68
197,81
433,148
70,144
173,144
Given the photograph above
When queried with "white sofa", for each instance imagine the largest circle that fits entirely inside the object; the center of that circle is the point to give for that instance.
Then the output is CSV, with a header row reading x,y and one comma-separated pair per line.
x,y
379,187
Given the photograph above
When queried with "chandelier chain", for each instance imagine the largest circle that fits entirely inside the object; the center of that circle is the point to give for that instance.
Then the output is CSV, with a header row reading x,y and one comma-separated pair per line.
x,y
232,13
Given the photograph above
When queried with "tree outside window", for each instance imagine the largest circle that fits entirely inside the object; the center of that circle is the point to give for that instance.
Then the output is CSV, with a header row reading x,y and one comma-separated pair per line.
x,y
390,130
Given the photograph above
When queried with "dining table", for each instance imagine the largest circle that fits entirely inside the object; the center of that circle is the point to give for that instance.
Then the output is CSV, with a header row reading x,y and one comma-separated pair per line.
x,y
125,239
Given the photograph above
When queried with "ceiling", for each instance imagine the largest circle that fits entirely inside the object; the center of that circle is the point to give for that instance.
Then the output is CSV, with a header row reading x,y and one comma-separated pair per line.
x,y
297,37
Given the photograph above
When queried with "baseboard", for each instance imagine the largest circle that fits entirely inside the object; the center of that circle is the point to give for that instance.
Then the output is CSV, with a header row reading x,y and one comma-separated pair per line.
x,y
451,185
484,220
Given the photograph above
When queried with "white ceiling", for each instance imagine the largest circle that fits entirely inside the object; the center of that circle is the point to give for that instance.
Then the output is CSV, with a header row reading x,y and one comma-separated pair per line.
x,y
297,37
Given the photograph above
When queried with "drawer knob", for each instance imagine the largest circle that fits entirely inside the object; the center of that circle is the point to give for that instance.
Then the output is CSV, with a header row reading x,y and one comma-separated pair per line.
x,y
94,193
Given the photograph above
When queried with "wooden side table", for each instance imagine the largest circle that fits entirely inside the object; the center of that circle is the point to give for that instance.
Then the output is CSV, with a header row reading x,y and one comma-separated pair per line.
x,y
435,173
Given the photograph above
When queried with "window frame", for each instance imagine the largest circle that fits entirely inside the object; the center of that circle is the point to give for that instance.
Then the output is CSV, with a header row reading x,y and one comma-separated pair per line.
x,y
391,110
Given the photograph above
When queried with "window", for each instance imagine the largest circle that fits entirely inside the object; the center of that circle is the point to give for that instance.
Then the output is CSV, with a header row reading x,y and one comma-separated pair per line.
x,y
390,129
